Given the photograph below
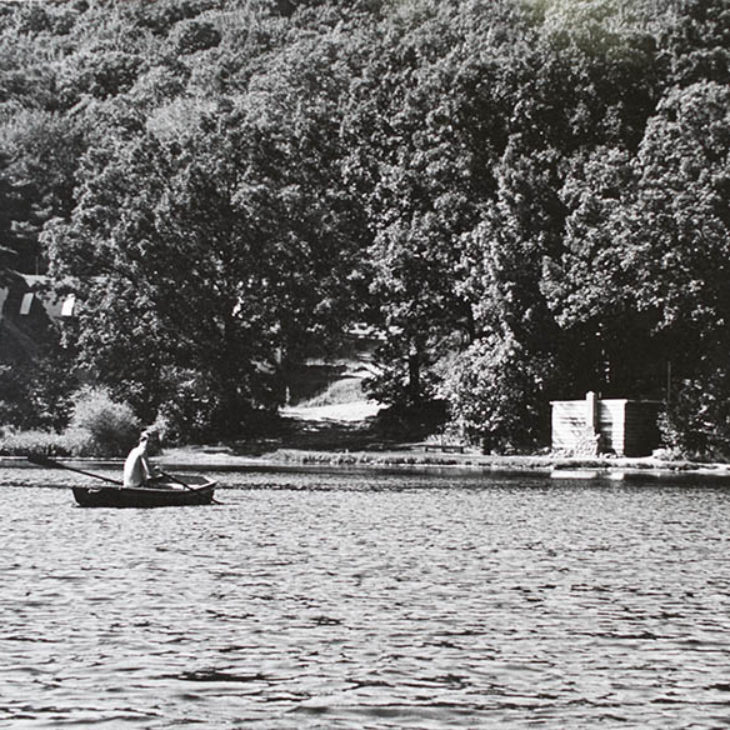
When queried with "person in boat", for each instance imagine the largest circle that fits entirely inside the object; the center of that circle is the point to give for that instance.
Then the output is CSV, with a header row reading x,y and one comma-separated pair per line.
x,y
137,468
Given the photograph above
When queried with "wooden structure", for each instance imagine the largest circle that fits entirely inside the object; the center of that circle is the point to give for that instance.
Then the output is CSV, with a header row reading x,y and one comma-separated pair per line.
x,y
615,425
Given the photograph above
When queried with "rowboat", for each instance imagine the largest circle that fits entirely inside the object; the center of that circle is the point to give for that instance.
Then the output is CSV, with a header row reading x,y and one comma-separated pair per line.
x,y
160,494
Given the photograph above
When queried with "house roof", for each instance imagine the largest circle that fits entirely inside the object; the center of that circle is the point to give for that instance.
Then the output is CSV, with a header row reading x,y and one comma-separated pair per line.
x,y
17,299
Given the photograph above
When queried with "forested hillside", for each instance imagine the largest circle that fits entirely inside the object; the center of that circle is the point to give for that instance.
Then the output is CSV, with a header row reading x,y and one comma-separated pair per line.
x,y
528,198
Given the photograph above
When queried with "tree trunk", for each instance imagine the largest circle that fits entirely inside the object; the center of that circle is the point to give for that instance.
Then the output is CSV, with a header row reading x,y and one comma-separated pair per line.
x,y
414,375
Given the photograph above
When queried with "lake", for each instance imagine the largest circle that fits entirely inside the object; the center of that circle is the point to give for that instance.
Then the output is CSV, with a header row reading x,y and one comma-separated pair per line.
x,y
371,599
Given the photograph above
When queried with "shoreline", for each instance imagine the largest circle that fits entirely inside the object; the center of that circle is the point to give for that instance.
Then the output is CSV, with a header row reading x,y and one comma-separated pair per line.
x,y
407,457
339,437
416,456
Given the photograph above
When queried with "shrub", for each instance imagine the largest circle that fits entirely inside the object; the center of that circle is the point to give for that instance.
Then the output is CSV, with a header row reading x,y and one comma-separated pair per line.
x,y
46,443
36,395
112,427
24,443
696,423
78,442
497,395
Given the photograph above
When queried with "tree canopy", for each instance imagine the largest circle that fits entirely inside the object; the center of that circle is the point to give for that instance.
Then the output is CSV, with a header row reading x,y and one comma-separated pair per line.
x,y
528,198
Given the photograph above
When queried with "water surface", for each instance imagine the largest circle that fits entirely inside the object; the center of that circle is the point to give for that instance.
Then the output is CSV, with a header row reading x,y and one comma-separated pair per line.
x,y
368,600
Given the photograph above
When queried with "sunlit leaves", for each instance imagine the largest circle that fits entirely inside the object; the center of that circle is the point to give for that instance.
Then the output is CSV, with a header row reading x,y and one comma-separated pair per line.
x,y
498,392
684,166
647,237
247,177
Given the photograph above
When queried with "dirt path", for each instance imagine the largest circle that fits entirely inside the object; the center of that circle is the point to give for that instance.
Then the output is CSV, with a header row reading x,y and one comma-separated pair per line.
x,y
344,412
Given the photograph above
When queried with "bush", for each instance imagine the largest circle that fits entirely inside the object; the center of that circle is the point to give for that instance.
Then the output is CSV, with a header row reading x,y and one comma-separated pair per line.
x,y
497,395
112,427
36,395
696,423
99,427
24,443
46,443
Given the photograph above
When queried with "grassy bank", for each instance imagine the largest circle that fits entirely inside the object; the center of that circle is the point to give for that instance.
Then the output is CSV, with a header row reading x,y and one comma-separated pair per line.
x,y
343,436
416,456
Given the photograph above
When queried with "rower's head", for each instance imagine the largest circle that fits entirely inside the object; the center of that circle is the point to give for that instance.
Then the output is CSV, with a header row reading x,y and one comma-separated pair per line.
x,y
150,437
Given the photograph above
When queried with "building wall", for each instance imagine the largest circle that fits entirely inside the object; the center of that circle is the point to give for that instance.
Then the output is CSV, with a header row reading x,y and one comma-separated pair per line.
x,y
612,424
568,424
592,426
642,434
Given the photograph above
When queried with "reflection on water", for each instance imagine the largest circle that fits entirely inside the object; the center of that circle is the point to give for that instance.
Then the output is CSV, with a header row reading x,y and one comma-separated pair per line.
x,y
370,600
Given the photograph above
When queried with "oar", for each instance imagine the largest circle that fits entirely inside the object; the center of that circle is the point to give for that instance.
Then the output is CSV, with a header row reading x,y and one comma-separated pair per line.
x,y
45,461
187,486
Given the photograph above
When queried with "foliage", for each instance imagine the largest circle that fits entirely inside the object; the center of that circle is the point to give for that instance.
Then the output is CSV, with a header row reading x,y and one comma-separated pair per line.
x,y
505,252
113,428
100,75
45,443
190,36
36,394
515,185
683,167
498,394
646,251
696,422
39,151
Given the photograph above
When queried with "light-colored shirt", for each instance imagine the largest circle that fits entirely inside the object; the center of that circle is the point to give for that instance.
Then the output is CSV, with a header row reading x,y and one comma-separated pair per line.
x,y
136,468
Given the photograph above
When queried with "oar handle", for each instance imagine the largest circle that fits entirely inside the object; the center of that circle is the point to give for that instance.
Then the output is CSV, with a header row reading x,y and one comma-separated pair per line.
x,y
187,486
175,479
45,461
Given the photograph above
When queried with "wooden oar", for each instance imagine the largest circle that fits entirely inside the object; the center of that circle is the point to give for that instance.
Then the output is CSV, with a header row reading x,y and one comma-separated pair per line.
x,y
187,486
45,461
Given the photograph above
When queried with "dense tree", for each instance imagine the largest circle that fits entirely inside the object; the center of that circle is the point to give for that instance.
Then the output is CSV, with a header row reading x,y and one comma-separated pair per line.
x,y
694,43
211,237
425,125
528,195
643,279
40,152
647,236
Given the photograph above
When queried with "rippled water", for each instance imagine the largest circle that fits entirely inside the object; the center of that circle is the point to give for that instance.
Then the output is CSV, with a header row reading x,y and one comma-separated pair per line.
x,y
368,600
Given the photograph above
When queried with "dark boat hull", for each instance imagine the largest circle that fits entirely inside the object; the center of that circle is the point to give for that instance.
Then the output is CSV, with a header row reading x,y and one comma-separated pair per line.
x,y
169,496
